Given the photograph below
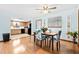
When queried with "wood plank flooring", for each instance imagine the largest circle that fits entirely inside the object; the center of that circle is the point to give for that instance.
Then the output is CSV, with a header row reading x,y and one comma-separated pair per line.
x,y
26,45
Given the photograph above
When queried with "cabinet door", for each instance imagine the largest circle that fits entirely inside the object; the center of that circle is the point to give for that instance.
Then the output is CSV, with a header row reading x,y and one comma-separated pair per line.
x,y
15,31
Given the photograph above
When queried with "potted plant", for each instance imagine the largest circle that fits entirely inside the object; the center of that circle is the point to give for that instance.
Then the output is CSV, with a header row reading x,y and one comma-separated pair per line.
x,y
74,35
44,29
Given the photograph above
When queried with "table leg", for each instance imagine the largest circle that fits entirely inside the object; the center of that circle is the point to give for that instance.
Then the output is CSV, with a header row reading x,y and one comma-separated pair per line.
x,y
49,43
52,43
45,42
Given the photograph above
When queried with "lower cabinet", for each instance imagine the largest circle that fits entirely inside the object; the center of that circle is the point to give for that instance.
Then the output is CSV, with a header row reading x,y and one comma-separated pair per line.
x,y
15,31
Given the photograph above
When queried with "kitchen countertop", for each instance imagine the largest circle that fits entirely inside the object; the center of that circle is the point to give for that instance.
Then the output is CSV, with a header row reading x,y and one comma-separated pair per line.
x,y
17,28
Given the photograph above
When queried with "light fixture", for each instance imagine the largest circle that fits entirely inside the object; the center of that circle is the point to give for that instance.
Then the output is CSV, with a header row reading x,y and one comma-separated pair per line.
x,y
45,8
45,11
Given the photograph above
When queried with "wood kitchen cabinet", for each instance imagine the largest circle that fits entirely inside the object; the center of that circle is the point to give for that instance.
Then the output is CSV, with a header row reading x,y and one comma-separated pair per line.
x,y
19,27
15,31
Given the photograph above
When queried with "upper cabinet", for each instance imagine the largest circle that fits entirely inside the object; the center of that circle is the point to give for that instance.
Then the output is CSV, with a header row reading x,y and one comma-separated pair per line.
x,y
19,24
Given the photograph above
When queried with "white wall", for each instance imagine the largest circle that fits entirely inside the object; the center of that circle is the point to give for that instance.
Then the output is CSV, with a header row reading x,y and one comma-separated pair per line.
x,y
4,24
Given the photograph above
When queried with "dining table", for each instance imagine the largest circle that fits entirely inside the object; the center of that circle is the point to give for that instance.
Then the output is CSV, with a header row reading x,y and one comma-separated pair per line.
x,y
52,34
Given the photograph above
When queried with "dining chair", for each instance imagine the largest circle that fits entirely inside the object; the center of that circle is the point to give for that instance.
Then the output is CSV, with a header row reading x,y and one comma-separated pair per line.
x,y
39,38
57,40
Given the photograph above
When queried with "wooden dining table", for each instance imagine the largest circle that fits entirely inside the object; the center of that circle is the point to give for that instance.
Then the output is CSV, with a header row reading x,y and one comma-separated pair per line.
x,y
52,34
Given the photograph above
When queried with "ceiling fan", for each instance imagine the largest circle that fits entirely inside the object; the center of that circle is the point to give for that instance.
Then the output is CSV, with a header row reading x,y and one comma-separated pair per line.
x,y
45,8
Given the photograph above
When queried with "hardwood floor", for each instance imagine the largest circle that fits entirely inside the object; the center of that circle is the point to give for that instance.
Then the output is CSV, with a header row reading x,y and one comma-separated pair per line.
x,y
25,45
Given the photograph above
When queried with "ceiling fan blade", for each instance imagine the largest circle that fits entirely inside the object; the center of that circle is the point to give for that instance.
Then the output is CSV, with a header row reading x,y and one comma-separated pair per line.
x,y
52,8
39,9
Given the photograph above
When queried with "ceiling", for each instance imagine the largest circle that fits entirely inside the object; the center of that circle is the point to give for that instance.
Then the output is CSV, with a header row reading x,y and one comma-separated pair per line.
x,y
29,10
